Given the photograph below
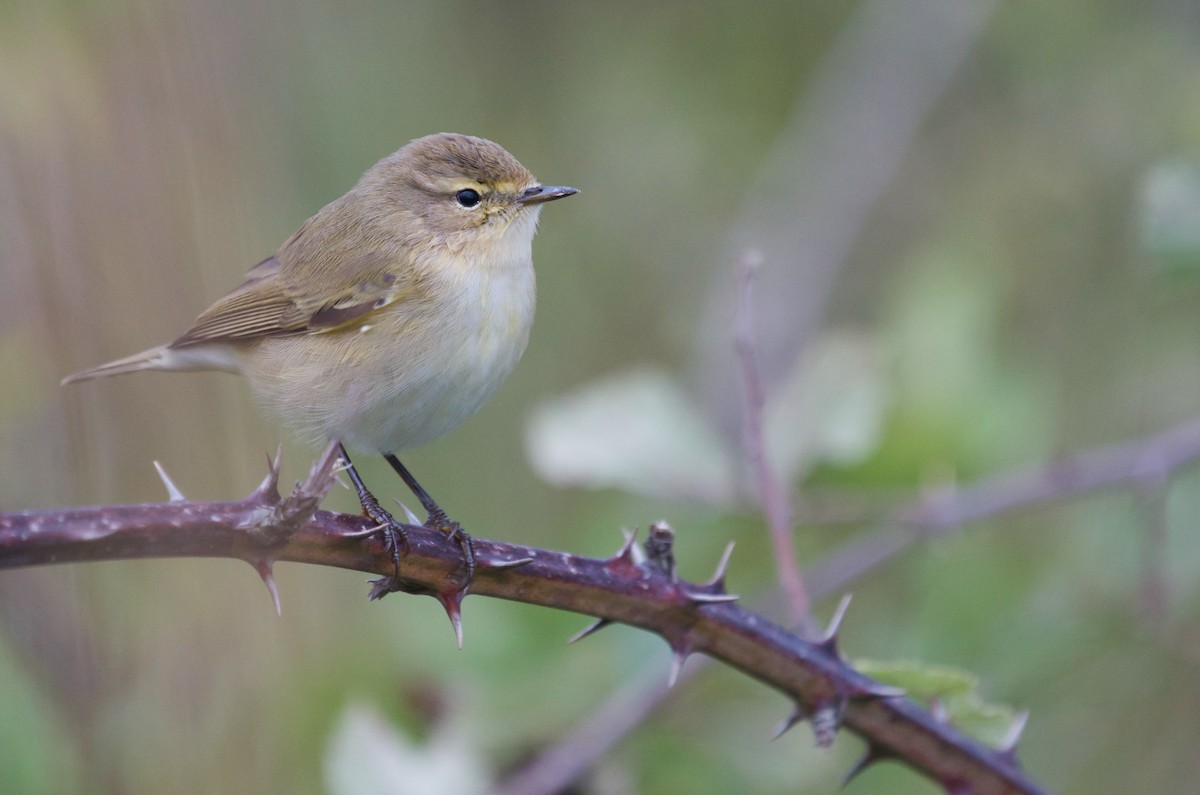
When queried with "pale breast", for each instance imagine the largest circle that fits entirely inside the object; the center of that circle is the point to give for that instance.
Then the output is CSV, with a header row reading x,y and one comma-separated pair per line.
x,y
408,374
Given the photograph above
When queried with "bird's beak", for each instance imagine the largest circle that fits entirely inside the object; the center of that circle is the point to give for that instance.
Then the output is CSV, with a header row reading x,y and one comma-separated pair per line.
x,y
544,193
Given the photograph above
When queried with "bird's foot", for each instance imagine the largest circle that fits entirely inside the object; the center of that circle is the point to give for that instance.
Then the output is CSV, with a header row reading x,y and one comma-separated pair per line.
x,y
439,521
395,540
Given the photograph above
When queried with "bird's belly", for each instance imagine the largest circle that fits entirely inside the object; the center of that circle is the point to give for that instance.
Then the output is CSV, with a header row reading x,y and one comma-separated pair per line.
x,y
375,388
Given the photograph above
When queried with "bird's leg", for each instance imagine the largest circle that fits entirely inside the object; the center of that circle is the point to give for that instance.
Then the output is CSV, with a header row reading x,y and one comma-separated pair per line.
x,y
393,532
437,518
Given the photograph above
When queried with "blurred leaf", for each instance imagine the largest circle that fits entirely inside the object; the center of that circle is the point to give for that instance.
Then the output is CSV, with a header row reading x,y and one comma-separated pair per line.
x,y
636,431
831,407
954,689
1170,215
367,755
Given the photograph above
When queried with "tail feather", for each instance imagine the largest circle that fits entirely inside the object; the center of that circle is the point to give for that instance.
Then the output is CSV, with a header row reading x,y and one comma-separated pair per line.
x,y
166,357
153,359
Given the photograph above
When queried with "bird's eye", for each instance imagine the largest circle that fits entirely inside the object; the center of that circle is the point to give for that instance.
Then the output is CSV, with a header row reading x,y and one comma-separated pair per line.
x,y
467,198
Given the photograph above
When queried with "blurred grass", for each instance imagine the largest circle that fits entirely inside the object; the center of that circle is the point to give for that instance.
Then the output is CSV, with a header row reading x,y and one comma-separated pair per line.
x,y
151,152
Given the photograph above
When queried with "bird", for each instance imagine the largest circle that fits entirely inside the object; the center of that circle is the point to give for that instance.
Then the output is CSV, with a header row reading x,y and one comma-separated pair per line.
x,y
389,317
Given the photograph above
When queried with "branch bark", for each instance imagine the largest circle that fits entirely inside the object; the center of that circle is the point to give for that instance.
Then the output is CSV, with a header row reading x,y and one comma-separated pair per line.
x,y
264,528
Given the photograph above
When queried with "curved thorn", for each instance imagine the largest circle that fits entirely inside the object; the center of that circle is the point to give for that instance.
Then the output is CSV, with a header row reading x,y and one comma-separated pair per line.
x,y
629,553
412,517
1008,746
452,604
269,487
370,531
718,579
710,598
679,655
592,628
829,640
505,564
872,756
265,569
173,492
797,715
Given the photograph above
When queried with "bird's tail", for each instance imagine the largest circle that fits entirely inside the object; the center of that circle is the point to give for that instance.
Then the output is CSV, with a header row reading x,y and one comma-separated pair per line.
x,y
154,359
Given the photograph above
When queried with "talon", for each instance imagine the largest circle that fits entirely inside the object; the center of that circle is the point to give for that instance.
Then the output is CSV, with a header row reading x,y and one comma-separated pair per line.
x,y
454,532
394,536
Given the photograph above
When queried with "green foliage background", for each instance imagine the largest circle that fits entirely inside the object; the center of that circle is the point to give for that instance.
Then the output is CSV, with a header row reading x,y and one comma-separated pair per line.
x,y
1027,286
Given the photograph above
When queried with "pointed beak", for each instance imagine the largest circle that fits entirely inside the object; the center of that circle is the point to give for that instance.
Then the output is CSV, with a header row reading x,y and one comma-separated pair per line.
x,y
544,193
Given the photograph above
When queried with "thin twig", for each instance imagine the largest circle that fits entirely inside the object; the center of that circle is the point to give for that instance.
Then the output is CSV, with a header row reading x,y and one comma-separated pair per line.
x,y
1149,462
776,505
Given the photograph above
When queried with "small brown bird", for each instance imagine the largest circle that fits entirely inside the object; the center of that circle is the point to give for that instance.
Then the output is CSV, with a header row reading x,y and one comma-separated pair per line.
x,y
390,316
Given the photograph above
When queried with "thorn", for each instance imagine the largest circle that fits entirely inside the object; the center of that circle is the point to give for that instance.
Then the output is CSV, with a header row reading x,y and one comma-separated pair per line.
x,y
710,598
714,589
798,713
269,488
370,531
408,514
452,604
592,628
873,755
504,564
717,583
1008,746
628,554
265,569
829,641
173,492
679,655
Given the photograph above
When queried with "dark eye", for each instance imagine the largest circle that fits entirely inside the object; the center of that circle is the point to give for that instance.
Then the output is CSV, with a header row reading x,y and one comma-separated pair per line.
x,y
467,198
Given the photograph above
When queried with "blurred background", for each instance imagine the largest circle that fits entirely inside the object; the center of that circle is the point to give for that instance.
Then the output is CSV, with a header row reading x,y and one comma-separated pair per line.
x,y
979,225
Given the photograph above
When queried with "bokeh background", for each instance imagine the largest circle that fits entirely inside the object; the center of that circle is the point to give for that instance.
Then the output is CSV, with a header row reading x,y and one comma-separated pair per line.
x,y
980,232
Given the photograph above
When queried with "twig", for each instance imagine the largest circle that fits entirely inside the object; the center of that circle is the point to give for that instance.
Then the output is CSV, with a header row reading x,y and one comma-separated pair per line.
x,y
617,589
775,502
1147,463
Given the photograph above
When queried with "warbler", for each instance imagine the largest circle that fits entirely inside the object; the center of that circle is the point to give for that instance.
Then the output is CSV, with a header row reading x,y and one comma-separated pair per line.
x,y
389,317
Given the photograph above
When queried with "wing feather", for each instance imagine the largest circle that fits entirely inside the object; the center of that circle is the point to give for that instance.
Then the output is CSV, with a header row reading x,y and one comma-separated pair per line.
x,y
308,287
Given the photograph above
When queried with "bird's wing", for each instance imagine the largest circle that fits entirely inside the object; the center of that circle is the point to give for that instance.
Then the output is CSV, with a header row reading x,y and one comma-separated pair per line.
x,y
268,304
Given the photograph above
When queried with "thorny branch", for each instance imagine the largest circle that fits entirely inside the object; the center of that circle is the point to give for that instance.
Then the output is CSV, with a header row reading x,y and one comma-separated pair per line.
x,y
1147,464
264,528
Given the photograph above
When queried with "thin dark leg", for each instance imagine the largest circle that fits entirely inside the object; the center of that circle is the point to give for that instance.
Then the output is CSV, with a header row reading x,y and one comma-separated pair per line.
x,y
437,517
393,531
